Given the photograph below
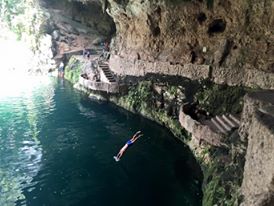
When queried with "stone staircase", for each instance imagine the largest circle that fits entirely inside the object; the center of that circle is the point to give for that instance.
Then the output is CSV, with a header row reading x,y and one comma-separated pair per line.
x,y
105,68
223,124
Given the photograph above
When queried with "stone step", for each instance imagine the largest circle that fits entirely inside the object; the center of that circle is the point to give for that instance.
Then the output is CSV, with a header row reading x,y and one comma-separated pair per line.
x,y
211,125
235,119
267,110
217,124
109,74
230,121
107,71
103,65
224,124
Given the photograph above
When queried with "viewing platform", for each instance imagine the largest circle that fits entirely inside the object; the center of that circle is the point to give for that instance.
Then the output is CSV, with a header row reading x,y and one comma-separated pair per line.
x,y
99,86
97,76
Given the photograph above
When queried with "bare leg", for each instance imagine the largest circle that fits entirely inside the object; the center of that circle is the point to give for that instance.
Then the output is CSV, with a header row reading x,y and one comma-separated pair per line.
x,y
119,155
121,152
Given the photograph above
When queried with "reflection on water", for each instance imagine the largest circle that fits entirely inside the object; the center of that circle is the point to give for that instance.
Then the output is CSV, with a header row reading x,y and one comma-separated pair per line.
x,y
57,147
20,149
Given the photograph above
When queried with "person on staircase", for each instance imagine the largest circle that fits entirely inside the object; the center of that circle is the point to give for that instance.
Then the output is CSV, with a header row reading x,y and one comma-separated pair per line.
x,y
61,69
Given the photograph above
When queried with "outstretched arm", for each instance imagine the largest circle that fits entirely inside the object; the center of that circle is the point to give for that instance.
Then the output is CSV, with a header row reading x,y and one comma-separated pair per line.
x,y
136,137
136,134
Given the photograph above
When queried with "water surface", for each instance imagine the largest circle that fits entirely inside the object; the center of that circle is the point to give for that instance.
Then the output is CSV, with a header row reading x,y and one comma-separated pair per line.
x,y
57,147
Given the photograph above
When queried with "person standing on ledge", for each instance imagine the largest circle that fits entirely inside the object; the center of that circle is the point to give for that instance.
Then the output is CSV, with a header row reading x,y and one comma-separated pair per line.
x,y
128,143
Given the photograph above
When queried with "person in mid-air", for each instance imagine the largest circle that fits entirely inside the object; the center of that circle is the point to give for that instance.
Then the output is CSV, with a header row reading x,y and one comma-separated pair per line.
x,y
128,143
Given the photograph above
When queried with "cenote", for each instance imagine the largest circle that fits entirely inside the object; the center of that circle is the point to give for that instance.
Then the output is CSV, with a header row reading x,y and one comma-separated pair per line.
x,y
57,147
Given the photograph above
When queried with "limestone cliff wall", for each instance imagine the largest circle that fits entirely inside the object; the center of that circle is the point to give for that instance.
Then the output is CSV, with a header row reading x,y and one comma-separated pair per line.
x,y
258,130
235,38
74,25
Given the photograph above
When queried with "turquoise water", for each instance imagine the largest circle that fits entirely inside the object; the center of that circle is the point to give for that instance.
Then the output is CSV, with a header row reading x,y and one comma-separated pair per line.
x,y
57,147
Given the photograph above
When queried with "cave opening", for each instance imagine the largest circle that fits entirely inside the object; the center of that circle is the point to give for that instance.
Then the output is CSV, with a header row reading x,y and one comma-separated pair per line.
x,y
193,57
156,31
201,17
216,26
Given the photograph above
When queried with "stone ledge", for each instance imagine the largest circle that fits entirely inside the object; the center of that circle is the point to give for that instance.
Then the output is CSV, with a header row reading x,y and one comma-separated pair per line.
x,y
123,66
99,86
220,75
257,186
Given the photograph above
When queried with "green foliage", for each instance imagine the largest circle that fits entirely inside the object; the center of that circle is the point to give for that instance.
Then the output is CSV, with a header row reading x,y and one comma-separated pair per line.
x,y
23,17
220,99
73,70
138,97
223,175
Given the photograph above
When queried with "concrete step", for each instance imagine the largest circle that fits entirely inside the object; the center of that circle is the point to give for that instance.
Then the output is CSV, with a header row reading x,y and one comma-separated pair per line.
x,y
211,125
267,110
217,124
235,119
224,124
110,76
103,65
230,121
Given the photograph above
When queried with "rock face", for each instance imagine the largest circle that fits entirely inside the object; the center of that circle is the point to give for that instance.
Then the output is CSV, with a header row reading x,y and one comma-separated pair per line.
x,y
74,25
257,128
239,47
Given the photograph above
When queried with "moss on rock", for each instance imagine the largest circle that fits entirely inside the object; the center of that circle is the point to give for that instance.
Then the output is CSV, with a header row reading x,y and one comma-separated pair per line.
x,y
224,173
220,99
73,70
142,98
